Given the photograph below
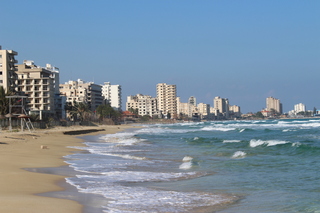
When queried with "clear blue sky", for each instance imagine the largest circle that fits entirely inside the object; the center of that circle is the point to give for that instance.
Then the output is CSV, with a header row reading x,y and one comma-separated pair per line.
x,y
241,50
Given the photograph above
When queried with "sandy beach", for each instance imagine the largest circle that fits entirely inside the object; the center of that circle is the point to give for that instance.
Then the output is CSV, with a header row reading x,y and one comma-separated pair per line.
x,y
39,149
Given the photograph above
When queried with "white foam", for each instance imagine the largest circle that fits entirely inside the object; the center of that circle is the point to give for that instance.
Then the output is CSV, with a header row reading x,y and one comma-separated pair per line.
x,y
126,156
296,144
275,142
186,165
187,158
255,143
231,141
223,129
239,154
142,199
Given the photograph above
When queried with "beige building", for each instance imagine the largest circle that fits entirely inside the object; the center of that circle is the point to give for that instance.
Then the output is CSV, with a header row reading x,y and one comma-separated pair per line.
x,y
273,103
167,99
81,91
188,110
204,111
41,85
8,76
145,104
234,111
222,107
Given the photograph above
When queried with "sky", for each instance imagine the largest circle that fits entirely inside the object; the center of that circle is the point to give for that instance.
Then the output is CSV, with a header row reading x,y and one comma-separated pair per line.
x,y
242,50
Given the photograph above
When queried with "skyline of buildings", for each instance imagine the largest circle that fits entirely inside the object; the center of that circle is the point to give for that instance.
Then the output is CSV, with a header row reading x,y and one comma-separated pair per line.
x,y
47,96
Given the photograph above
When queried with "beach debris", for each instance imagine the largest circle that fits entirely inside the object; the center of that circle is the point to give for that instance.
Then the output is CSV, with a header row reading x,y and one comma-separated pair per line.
x,y
43,147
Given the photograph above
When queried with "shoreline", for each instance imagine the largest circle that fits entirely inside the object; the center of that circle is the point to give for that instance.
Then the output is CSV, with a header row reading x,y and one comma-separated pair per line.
x,y
22,189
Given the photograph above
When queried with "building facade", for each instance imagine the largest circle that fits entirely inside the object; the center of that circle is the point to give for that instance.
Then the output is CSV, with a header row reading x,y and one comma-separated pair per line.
x,y
167,99
222,107
81,91
41,85
234,111
299,108
112,95
8,70
273,103
192,100
144,104
204,111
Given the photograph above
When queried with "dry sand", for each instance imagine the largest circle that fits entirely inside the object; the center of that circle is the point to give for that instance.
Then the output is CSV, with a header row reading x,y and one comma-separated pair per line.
x,y
18,150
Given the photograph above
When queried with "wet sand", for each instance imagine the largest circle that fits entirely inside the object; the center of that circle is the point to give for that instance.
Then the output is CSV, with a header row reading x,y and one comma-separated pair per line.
x,y
22,186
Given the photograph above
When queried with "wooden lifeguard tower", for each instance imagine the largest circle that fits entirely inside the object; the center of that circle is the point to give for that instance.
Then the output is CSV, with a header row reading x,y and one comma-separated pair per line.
x,y
17,101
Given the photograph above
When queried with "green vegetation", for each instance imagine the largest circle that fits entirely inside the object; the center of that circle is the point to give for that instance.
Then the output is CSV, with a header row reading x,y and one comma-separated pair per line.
x,y
4,102
106,111
78,110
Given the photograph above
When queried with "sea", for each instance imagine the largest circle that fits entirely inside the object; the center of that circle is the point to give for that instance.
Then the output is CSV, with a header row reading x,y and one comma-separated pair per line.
x,y
217,166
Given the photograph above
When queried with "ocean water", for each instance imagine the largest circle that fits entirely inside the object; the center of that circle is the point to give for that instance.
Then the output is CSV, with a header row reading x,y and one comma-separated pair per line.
x,y
220,166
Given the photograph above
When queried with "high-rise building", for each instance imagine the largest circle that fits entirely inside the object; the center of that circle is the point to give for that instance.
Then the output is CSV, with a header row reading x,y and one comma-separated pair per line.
x,y
273,103
192,100
222,106
8,76
112,95
81,91
41,85
145,104
167,99
299,108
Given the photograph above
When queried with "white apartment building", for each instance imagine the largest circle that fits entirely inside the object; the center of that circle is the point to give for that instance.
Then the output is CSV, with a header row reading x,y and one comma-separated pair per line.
x,y
222,107
145,104
112,95
81,91
41,85
273,103
299,108
8,76
167,99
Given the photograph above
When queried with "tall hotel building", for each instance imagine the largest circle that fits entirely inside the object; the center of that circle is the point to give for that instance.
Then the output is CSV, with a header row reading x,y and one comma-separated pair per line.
x,y
8,76
273,103
167,99
41,85
112,95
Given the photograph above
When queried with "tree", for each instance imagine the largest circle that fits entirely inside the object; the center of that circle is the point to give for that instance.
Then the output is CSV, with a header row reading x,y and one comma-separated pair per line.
x,y
79,110
134,111
259,115
4,102
145,118
106,111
